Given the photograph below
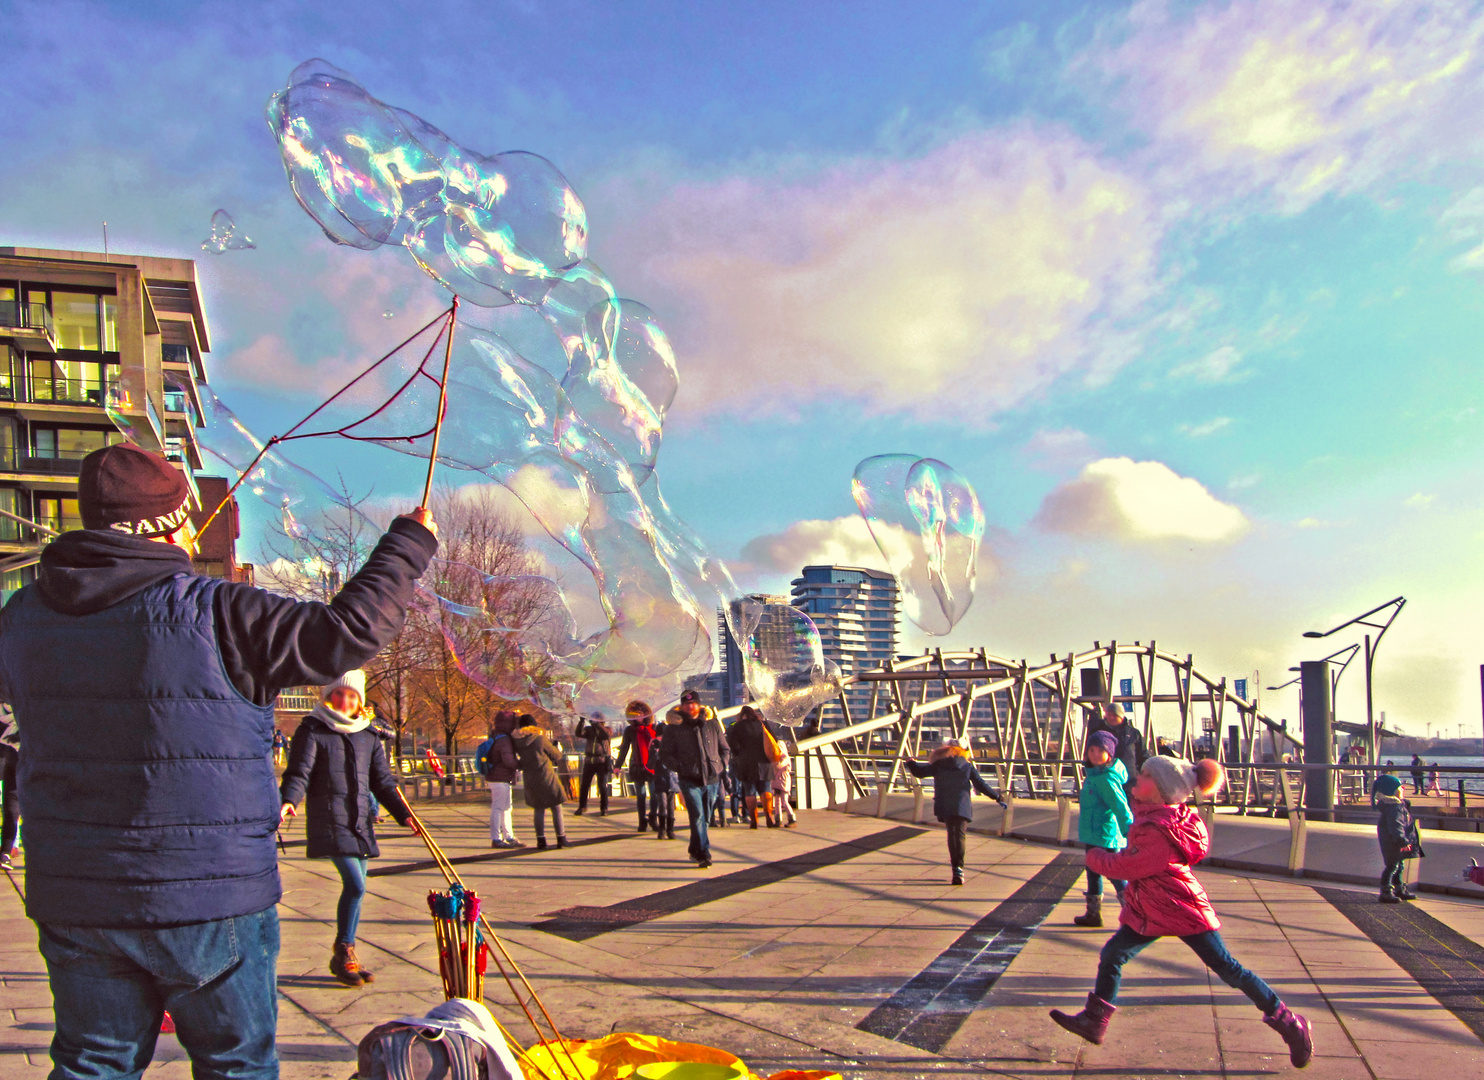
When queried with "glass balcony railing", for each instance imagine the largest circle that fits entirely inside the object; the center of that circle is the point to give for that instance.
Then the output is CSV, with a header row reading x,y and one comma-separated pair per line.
x,y
175,401
21,315
42,462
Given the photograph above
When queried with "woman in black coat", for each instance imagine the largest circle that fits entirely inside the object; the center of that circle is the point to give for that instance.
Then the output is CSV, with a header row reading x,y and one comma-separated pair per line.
x,y
337,761
539,761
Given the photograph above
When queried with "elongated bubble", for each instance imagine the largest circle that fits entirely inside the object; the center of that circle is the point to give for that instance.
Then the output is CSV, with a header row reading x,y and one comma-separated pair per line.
x,y
927,522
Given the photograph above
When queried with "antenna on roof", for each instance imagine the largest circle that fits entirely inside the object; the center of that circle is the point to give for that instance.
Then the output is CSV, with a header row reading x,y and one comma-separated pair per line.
x,y
105,239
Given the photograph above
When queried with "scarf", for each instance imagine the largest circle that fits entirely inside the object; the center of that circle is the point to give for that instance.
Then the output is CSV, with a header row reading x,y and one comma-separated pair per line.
x,y
338,721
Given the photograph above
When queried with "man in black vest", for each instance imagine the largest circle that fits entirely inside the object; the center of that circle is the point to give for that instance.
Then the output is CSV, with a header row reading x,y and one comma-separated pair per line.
x,y
144,696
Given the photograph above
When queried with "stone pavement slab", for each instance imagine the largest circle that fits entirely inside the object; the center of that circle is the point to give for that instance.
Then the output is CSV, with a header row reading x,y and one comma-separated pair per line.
x,y
783,972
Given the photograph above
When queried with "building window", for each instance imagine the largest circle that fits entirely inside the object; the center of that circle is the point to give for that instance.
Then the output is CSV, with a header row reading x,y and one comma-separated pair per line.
x,y
12,375
110,323
75,315
72,444
79,381
9,530
58,513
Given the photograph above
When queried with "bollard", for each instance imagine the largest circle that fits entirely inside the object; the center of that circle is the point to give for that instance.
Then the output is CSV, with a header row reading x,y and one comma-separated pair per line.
x,y
917,801
1063,819
880,800
1007,816
1298,839
1463,800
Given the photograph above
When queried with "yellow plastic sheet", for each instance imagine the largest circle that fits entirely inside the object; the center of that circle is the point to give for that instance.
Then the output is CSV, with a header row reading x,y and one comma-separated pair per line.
x,y
630,1056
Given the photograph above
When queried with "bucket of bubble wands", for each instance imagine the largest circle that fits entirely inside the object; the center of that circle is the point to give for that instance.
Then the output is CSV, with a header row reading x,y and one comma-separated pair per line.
x,y
462,952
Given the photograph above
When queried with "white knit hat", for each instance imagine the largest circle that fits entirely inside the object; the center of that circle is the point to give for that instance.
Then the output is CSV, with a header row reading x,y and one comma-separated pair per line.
x,y
351,680
1177,779
962,744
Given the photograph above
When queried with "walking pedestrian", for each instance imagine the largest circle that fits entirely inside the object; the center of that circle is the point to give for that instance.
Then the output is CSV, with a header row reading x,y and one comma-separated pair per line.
x,y
1396,831
747,739
280,747
636,747
667,783
1434,786
955,779
1131,749
338,769
696,749
543,788
1103,818
1417,775
10,753
1164,899
783,771
496,761
597,760
151,775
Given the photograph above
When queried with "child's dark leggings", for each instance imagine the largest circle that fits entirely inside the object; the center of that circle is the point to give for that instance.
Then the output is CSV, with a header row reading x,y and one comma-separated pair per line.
x,y
958,832
1391,879
1126,944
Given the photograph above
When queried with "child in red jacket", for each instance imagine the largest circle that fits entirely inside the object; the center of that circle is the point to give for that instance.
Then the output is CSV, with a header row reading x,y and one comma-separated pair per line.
x,y
1164,899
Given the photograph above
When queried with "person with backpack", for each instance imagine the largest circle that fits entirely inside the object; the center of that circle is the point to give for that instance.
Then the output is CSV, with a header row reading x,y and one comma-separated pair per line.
x,y
543,788
637,748
338,768
597,760
147,789
496,761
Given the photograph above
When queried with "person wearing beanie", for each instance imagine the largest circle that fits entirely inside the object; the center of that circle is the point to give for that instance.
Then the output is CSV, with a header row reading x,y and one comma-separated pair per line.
x,y
337,764
955,779
496,761
1164,898
636,748
147,789
695,749
1103,816
1131,749
1397,832
539,761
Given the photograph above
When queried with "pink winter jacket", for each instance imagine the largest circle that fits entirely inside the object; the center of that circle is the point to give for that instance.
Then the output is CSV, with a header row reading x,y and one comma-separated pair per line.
x,y
1163,896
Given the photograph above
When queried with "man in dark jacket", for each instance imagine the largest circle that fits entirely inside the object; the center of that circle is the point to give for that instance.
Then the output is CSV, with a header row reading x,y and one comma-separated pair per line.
x,y
145,697
1131,749
597,760
696,748
496,762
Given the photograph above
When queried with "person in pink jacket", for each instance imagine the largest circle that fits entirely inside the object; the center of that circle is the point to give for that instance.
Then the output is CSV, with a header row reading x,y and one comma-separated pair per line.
x,y
1164,899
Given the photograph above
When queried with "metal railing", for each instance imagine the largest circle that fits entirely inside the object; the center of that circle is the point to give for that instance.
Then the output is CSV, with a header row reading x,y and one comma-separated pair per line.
x,y
49,463
27,315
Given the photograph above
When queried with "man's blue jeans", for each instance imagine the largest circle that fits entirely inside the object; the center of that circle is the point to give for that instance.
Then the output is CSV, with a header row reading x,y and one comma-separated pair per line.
x,y
1126,944
700,804
110,990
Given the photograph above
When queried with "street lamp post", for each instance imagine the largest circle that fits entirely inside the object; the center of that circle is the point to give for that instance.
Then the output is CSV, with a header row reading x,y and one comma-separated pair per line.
x,y
1396,606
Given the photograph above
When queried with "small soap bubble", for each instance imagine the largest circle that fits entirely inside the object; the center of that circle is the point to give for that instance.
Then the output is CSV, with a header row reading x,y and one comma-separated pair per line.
x,y
927,522
388,314
225,235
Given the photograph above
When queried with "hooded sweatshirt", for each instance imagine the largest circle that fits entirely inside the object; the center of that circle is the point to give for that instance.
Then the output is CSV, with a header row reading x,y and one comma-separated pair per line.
x,y
1163,895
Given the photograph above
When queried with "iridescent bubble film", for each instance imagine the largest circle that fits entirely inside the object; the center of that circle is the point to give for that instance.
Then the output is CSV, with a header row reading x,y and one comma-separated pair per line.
x,y
225,236
927,522
783,660
558,391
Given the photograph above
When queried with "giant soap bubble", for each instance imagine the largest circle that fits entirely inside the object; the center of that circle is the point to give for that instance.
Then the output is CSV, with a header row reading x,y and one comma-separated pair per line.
x,y
926,519
783,660
558,390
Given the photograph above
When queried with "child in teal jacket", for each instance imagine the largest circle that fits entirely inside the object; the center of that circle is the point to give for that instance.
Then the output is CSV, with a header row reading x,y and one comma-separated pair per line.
x,y
1105,816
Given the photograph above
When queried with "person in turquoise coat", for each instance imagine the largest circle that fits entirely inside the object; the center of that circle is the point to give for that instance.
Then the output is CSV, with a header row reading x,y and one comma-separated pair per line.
x,y
1104,818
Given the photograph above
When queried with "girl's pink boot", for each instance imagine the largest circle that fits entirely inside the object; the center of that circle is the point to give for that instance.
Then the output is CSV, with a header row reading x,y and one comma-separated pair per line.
x,y
1296,1033
1092,1022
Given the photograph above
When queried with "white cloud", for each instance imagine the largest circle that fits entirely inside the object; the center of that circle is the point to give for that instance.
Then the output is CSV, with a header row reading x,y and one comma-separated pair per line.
x,y
1139,501
1302,97
1210,427
1059,449
1216,366
844,541
983,270
1419,501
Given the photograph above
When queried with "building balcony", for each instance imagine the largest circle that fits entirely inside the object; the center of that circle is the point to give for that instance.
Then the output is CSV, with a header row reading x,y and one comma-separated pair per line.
x,y
59,468
28,324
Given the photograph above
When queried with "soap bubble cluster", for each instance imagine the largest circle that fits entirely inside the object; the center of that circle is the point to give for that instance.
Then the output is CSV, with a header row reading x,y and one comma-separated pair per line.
x,y
558,390
926,519
224,235
783,661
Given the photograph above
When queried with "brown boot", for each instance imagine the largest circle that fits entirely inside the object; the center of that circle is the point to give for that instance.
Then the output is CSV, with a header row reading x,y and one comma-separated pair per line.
x,y
345,967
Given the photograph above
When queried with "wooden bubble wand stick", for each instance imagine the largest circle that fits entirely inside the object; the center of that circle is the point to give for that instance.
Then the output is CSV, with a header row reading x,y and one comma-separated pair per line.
x,y
453,318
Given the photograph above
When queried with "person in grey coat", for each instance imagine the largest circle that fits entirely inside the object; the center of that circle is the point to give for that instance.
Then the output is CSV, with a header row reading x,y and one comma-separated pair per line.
x,y
954,781
539,761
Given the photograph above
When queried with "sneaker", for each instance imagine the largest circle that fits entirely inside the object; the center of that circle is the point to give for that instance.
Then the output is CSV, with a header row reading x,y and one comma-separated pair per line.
x,y
704,864
5,863
513,843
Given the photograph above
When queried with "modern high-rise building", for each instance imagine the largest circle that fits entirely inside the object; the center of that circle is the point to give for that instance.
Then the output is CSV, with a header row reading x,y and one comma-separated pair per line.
x,y
856,612
93,346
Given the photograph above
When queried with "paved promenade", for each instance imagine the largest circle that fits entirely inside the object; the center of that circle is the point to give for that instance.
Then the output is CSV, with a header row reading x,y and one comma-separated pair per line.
x,y
840,945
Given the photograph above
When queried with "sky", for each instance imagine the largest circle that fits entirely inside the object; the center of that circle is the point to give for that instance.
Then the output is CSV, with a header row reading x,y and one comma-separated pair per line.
x,y
1191,293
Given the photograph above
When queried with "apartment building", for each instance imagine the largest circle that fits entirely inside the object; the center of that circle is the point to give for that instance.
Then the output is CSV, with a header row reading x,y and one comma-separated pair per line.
x,y
95,346
856,611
